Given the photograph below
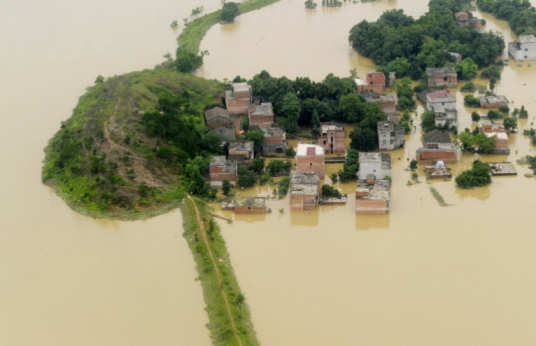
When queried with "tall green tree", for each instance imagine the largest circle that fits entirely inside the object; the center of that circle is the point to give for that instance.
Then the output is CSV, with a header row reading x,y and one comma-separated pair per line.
x,y
291,110
352,108
257,137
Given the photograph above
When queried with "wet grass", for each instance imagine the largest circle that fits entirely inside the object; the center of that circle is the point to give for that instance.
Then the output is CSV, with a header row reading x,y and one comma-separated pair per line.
x,y
219,324
191,37
438,197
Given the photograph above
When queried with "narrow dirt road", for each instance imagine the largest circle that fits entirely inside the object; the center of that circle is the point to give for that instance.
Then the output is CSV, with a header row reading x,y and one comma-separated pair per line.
x,y
217,271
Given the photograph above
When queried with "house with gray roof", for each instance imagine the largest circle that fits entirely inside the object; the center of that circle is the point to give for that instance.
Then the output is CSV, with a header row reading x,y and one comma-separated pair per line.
x,y
227,135
217,116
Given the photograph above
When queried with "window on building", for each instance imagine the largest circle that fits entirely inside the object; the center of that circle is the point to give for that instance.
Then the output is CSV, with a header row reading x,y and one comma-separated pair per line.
x,y
324,141
526,57
526,50
445,79
311,164
384,134
384,142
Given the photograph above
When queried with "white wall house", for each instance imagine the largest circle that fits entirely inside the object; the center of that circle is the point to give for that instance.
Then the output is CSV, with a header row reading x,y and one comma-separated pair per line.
x,y
377,164
524,49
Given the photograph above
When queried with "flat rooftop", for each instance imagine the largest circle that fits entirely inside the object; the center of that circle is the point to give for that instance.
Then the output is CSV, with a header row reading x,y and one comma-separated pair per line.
x,y
304,178
262,109
360,82
440,71
377,191
502,168
304,189
250,202
527,38
241,145
273,131
218,160
309,150
386,126
241,87
493,99
385,159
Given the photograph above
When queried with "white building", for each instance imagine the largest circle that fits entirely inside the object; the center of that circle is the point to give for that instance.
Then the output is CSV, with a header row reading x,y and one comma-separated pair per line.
x,y
446,118
377,164
440,100
524,49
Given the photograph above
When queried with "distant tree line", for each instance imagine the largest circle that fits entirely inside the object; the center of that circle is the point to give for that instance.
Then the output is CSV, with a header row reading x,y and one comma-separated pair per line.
x,y
520,14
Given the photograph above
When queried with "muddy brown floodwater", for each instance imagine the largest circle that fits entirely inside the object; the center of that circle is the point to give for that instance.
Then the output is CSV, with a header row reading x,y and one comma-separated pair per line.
x,y
421,275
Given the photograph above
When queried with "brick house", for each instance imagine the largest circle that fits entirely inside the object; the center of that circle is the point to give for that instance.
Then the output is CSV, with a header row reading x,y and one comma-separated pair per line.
x,y
217,117
376,164
239,98
332,138
387,102
250,205
374,81
439,100
500,134
304,191
442,76
461,16
389,136
261,115
524,49
275,139
372,197
241,151
467,19
221,169
310,159
493,102
437,147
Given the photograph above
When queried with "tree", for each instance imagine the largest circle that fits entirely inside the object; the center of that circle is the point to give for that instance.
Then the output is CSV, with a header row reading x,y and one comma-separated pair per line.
x,y
400,66
246,178
329,191
471,101
239,301
492,115
492,82
467,69
244,124
413,165
468,87
187,61
352,108
510,123
226,187
479,175
309,4
363,139
257,165
257,137
428,121
99,80
504,109
523,114
475,117
276,166
229,12
290,152
290,108
483,144
174,24
212,143
351,166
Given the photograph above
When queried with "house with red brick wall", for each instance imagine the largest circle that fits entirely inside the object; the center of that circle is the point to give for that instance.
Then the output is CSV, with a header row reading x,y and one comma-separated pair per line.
x,y
437,147
332,138
310,159
374,81
387,102
372,196
275,139
500,134
461,16
250,205
442,76
304,191
217,117
239,98
261,115
222,169
467,19
241,151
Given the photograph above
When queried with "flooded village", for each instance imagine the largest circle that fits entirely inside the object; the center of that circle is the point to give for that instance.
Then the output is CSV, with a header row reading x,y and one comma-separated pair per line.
x,y
397,255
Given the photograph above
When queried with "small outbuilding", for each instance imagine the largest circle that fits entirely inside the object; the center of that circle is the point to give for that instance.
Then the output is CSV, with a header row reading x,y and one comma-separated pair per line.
x,y
250,205
493,102
217,116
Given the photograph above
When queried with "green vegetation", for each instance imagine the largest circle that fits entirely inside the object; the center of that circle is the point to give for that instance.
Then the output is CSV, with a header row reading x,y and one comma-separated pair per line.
x,y
174,24
475,117
475,143
471,101
290,152
425,42
310,4
520,14
510,123
532,134
364,136
405,93
257,137
479,175
257,165
332,3
330,192
468,87
226,187
217,288
351,166
283,186
438,197
276,167
108,160
229,12
531,160
246,178
428,121
413,165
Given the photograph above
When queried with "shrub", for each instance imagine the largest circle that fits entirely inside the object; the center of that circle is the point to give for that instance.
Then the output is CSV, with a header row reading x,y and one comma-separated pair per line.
x,y
329,191
479,175
475,117
283,186
246,179
471,101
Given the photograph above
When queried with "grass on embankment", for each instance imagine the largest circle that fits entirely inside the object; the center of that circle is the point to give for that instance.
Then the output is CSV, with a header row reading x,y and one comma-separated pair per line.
x,y
438,197
219,321
191,37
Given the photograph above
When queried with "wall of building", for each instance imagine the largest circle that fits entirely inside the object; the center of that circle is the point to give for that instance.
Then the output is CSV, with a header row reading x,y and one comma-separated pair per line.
x,y
367,206
431,157
388,107
439,105
311,164
451,82
262,121
339,138
238,105
250,210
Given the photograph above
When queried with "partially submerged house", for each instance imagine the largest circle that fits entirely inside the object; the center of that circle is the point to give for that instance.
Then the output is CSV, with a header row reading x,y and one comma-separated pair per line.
x,y
332,138
439,100
222,169
446,118
275,139
376,164
372,196
239,98
241,151
437,147
390,137
374,81
438,171
387,102
304,191
493,102
524,48
439,76
227,135
217,116
500,134
467,19
310,159
261,115
250,205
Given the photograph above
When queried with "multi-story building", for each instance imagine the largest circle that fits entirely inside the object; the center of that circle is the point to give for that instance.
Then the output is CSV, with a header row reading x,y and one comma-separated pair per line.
x,y
304,191
439,100
446,118
222,169
437,147
374,81
241,151
332,138
372,196
442,76
310,159
239,98
376,164
261,115
275,139
524,49
389,136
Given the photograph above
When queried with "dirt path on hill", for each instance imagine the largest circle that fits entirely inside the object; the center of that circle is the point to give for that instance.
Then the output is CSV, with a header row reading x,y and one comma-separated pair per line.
x,y
217,271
